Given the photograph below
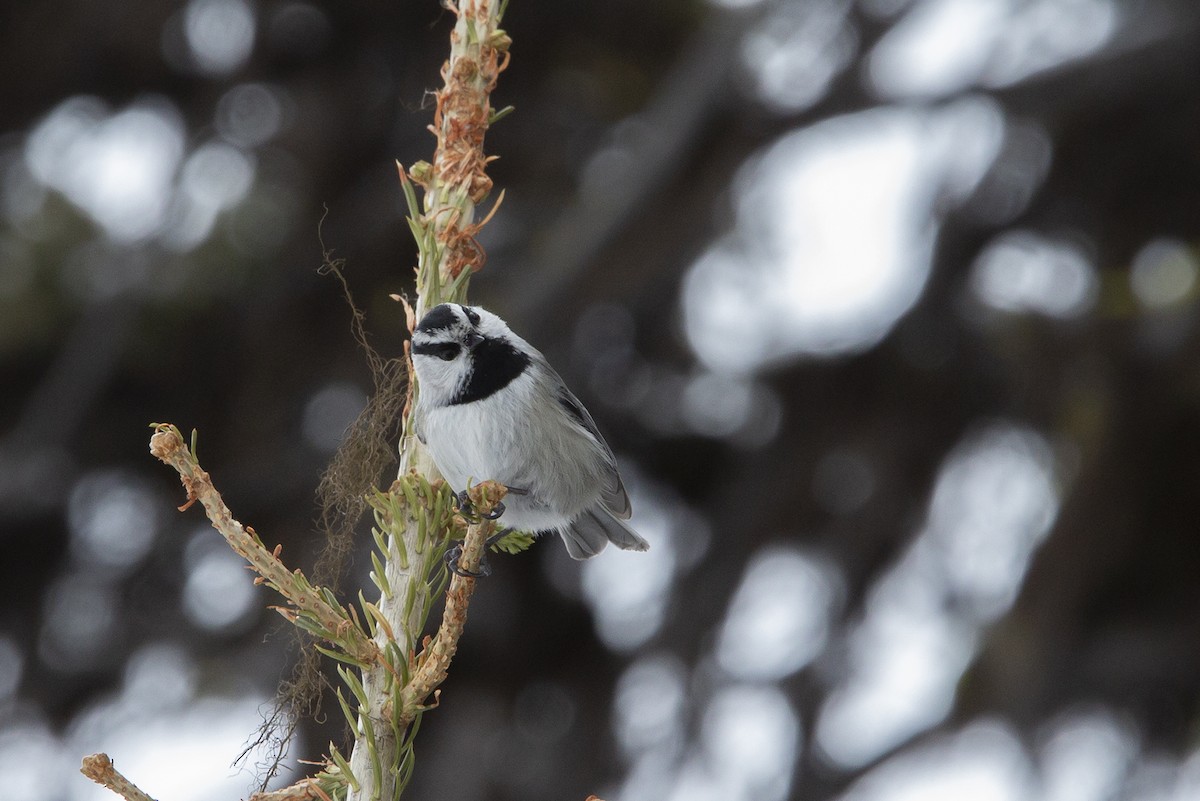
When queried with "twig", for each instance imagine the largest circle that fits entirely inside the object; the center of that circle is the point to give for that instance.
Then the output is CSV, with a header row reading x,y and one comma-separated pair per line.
x,y
99,768
303,790
434,661
311,604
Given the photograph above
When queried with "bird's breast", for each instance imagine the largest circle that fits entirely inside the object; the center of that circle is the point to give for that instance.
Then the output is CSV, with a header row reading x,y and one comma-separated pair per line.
x,y
510,439
469,445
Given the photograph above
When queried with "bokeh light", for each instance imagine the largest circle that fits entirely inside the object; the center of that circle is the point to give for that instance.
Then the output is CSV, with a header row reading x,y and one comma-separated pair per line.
x,y
797,50
984,762
797,277
36,767
1163,273
117,167
215,177
328,414
944,46
216,594
650,705
178,743
628,591
114,520
843,481
751,737
220,34
1024,272
251,114
1085,756
992,505
779,618
81,621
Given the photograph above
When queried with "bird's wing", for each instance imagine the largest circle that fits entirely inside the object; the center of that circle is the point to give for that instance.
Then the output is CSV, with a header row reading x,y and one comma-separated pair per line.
x,y
613,494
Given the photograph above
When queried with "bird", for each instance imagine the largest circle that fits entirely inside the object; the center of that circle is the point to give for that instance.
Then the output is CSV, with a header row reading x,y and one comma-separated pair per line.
x,y
490,407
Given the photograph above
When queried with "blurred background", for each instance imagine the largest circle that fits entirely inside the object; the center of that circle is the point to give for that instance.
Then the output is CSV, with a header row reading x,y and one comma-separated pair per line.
x,y
888,308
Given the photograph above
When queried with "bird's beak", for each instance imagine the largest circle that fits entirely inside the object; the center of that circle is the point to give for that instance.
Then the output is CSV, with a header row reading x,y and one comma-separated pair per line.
x,y
472,340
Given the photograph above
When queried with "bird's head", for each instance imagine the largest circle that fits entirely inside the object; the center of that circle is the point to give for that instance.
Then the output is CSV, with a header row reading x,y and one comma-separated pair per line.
x,y
465,353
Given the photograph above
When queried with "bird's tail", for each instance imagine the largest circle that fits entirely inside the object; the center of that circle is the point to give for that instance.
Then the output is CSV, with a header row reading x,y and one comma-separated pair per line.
x,y
587,535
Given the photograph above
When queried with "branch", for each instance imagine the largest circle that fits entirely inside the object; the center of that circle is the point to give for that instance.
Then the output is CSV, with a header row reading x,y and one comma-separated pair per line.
x,y
444,226
99,768
312,607
434,662
316,610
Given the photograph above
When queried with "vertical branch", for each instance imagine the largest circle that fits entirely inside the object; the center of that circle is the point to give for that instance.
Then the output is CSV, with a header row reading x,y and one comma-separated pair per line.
x,y
457,180
445,228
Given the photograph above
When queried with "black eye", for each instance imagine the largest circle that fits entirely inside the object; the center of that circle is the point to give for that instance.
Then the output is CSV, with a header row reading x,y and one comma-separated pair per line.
x,y
472,315
445,351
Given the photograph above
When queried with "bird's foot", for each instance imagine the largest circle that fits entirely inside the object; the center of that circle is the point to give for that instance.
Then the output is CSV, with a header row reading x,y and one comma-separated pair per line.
x,y
463,500
492,540
454,553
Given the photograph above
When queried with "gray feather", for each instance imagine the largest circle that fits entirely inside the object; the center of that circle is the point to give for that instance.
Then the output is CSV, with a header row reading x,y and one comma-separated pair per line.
x,y
591,531
583,542
612,494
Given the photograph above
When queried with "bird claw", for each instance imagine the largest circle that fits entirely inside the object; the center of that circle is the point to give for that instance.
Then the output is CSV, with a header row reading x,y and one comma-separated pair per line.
x,y
454,553
466,507
495,538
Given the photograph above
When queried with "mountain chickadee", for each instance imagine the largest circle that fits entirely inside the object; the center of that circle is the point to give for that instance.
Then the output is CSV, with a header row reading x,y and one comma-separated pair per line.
x,y
491,407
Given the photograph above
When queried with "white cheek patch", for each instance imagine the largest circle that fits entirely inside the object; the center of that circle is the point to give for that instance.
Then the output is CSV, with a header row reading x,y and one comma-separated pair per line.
x,y
439,380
